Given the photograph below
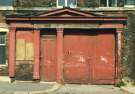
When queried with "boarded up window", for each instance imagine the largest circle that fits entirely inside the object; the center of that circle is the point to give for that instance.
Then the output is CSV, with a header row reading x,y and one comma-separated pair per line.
x,y
24,46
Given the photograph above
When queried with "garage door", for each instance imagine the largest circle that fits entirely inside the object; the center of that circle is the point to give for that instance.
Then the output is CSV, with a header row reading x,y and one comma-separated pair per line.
x,y
79,55
104,65
89,56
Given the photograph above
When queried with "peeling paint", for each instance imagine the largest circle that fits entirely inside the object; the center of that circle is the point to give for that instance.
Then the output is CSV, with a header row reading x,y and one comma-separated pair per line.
x,y
81,59
48,61
103,59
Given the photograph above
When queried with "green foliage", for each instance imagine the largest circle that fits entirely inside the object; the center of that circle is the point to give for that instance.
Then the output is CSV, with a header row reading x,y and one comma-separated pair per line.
x,y
120,84
124,53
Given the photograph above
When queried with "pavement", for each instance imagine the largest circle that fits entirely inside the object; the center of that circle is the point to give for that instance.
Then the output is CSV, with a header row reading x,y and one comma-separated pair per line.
x,y
55,88
128,89
27,87
88,89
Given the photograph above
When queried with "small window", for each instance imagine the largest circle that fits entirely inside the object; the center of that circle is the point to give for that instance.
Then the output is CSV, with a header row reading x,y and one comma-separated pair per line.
x,y
61,2
67,3
5,2
71,3
111,3
2,48
130,2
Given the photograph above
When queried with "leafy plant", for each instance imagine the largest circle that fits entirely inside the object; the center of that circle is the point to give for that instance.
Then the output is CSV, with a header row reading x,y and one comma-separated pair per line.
x,y
120,84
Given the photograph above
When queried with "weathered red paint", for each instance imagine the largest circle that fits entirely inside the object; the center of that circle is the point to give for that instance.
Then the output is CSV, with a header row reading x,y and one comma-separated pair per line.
x,y
63,10
79,52
89,57
60,55
26,35
66,14
99,67
70,18
48,59
36,65
119,53
12,51
104,65
110,25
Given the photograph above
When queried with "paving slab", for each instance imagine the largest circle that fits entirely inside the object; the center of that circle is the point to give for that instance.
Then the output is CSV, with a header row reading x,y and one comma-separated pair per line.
x,y
89,89
47,88
27,88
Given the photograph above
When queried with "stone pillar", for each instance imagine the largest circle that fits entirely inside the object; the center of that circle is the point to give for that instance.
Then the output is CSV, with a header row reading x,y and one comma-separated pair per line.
x,y
12,51
119,55
36,65
60,55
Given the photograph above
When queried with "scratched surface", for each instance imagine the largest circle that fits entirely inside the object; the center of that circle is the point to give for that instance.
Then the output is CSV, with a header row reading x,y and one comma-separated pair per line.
x,y
24,45
48,58
89,58
24,55
104,66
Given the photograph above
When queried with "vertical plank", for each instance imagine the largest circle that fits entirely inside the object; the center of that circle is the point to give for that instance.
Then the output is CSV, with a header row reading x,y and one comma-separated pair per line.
x,y
36,66
29,51
12,51
20,49
104,66
59,55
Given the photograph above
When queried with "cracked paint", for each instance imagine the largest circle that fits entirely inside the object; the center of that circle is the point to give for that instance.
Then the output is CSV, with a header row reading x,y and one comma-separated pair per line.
x,y
81,59
103,59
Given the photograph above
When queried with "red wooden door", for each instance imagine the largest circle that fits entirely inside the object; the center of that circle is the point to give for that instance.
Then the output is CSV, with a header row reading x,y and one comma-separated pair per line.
x,y
89,57
78,56
48,61
104,66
